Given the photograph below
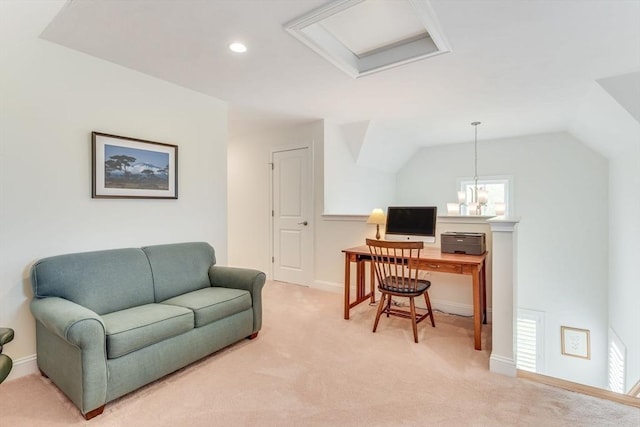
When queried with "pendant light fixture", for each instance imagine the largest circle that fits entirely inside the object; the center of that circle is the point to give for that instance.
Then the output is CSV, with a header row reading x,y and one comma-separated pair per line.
x,y
479,196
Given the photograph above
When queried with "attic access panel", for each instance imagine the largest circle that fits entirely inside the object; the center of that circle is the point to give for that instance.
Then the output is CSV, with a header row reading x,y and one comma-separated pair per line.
x,y
366,36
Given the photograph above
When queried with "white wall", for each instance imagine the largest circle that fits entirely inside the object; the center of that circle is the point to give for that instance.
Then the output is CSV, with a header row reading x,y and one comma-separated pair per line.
x,y
561,190
51,99
607,121
624,246
348,187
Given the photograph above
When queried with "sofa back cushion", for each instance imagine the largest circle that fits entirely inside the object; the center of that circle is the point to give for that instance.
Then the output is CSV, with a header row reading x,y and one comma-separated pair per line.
x,y
180,268
103,281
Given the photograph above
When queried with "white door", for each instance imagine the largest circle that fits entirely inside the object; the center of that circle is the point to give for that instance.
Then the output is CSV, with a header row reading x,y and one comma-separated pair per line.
x,y
292,252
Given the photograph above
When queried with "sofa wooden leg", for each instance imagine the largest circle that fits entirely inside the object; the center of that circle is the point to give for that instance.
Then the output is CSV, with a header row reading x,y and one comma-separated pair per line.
x,y
252,336
94,413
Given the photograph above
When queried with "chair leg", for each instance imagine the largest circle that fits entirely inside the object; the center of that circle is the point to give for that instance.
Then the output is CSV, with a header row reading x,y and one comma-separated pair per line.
x,y
388,305
380,307
413,319
428,301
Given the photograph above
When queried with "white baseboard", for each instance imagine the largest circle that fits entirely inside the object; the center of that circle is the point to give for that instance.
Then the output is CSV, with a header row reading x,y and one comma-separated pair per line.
x,y
581,388
23,367
502,365
328,286
451,307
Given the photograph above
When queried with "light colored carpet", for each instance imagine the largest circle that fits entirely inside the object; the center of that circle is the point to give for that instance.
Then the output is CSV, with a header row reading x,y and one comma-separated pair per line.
x,y
310,367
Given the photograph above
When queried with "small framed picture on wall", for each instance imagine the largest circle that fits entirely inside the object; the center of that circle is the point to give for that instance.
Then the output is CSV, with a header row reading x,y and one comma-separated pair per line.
x,y
124,167
575,342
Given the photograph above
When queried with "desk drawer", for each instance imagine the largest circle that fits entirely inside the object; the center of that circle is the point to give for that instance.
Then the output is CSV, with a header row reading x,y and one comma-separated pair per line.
x,y
442,267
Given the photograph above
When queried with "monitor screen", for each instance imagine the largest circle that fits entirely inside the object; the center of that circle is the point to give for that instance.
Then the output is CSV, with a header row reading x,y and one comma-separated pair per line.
x,y
411,223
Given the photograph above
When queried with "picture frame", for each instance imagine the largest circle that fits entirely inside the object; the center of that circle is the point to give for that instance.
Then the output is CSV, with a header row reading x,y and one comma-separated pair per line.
x,y
131,168
575,342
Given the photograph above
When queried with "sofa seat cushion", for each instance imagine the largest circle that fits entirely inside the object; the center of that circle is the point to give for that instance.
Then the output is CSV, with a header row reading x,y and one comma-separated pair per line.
x,y
138,327
213,303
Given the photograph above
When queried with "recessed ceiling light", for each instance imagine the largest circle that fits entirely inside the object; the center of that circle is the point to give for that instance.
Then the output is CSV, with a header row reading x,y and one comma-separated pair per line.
x,y
238,47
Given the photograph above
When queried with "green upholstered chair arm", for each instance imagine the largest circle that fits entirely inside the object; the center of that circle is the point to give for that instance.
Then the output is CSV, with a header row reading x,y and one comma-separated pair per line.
x,y
6,335
241,278
72,322
5,366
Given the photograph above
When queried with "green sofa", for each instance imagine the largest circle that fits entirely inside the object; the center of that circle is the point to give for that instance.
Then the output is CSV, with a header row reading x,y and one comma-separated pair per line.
x,y
109,322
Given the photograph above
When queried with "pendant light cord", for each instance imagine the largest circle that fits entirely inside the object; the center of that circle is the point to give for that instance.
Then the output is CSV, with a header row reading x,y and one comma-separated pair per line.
x,y
475,151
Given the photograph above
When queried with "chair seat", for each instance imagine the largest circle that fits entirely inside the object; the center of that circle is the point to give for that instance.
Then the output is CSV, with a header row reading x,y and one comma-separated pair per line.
x,y
401,285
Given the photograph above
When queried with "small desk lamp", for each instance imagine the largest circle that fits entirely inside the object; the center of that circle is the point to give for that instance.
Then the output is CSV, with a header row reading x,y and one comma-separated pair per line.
x,y
378,218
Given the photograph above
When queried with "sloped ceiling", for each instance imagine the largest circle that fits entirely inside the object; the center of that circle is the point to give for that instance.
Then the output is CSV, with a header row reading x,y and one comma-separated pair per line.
x,y
625,89
603,123
519,67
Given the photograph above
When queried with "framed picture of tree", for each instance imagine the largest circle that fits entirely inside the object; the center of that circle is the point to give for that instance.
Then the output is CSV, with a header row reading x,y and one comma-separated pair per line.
x,y
124,167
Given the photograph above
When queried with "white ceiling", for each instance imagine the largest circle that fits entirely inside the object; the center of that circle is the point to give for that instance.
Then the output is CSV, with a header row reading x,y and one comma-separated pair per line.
x,y
519,67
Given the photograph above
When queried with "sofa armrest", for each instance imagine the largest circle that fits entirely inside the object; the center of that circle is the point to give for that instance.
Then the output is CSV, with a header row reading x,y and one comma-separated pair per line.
x,y
241,278
71,322
71,347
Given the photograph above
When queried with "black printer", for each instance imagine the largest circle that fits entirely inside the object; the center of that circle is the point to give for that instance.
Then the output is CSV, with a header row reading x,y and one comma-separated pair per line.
x,y
463,243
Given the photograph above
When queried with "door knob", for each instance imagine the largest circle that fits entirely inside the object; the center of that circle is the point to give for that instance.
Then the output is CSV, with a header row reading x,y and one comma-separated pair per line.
x,y
303,223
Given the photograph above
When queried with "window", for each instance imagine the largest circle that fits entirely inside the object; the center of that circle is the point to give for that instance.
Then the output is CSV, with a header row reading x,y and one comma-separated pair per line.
x,y
498,190
529,343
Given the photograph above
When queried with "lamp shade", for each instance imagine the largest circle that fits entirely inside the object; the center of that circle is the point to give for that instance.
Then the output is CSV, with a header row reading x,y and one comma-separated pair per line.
x,y
483,196
377,217
462,197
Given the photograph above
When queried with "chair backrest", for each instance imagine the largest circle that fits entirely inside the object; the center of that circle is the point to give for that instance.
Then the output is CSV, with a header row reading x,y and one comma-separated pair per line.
x,y
395,264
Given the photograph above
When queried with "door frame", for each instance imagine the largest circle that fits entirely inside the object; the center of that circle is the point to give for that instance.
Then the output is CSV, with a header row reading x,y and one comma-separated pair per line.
x,y
309,275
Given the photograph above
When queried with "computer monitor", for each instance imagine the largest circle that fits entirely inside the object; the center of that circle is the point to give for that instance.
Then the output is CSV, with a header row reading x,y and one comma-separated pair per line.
x,y
411,223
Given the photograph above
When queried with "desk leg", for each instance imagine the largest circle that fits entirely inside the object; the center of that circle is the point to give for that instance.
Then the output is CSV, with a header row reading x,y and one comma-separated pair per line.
x,y
373,282
360,279
484,293
477,309
347,284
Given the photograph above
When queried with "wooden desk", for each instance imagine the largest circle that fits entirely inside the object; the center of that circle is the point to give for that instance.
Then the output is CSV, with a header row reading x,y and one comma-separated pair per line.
x,y
431,259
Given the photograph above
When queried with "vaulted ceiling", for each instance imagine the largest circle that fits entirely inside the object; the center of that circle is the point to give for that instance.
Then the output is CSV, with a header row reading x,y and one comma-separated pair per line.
x,y
520,67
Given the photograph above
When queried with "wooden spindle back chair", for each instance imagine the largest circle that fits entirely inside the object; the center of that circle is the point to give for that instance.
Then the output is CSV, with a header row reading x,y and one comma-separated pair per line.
x,y
395,265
